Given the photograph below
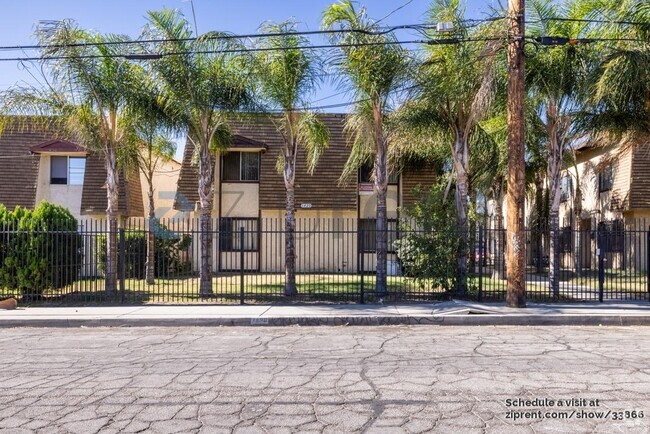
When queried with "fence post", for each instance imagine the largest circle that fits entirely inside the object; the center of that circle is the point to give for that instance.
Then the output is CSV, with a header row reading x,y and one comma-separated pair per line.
x,y
480,263
241,265
122,265
647,259
361,265
601,265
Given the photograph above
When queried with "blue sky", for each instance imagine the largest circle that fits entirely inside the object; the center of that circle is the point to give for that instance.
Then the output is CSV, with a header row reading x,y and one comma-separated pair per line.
x,y
239,16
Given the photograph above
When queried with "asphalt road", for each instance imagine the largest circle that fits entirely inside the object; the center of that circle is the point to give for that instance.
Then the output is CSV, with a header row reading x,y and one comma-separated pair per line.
x,y
326,379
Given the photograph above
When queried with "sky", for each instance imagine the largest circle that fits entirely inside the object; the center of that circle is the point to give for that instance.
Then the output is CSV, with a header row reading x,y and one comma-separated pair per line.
x,y
19,18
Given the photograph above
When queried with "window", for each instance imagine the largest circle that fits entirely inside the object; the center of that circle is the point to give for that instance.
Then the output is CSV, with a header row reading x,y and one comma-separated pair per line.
x,y
566,188
606,179
369,228
240,166
613,235
365,175
67,170
230,236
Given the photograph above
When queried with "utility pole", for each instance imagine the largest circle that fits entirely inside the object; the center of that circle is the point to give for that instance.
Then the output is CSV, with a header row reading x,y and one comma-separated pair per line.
x,y
515,237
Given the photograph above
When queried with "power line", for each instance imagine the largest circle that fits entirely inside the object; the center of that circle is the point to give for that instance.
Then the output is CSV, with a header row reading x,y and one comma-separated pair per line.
x,y
156,56
228,36
394,10
217,36
593,21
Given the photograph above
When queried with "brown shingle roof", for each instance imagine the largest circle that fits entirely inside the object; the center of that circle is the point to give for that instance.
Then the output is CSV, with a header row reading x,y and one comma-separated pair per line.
x,y
19,170
321,189
18,167
56,145
93,196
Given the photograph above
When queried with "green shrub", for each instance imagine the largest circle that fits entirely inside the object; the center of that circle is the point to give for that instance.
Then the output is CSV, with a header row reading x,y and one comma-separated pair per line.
x,y
39,250
427,250
169,249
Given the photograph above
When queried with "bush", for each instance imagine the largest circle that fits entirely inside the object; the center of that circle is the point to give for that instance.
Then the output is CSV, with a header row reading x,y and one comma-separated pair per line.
x,y
427,250
39,250
169,249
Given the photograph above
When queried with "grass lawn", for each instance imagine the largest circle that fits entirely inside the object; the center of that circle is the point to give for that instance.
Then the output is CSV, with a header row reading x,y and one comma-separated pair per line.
x,y
257,288
260,288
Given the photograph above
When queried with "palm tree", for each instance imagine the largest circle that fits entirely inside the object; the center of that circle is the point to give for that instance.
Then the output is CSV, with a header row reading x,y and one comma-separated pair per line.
x,y
554,76
456,89
374,66
86,96
618,94
205,82
287,74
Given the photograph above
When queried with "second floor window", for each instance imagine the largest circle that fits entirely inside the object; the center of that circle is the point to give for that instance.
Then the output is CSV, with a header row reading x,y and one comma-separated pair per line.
x,y
240,166
365,175
606,179
67,170
565,188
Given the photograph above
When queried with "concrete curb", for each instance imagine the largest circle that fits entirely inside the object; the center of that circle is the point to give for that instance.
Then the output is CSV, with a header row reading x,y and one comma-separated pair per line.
x,y
309,321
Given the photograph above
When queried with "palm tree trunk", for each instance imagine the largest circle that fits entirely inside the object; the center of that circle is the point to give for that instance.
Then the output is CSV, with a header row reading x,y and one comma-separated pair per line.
x,y
150,266
112,182
577,212
472,230
577,250
554,254
381,189
206,198
461,157
461,216
553,177
539,227
499,262
290,289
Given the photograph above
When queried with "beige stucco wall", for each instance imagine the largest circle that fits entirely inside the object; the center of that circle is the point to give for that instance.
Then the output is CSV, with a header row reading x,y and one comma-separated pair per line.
x,y
598,205
240,199
368,203
165,180
326,241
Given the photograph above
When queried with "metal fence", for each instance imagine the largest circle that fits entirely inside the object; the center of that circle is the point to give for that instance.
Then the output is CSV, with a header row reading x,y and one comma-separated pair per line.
x,y
335,262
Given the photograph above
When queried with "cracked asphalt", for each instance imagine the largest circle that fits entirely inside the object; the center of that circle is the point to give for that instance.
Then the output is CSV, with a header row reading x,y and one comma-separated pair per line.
x,y
322,379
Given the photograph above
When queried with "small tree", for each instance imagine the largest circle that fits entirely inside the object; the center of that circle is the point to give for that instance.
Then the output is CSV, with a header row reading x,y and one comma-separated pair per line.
x,y
428,248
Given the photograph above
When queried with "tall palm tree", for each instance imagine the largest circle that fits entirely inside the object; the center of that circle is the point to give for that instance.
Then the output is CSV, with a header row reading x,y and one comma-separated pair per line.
x,y
554,76
456,89
288,74
205,81
150,146
374,67
618,97
87,86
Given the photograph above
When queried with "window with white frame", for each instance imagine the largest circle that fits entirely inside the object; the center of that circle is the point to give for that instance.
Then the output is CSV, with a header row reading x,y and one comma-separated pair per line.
x,y
66,170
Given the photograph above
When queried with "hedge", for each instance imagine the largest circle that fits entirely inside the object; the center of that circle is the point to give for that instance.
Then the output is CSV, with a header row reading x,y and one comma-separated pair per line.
x,y
39,250
169,253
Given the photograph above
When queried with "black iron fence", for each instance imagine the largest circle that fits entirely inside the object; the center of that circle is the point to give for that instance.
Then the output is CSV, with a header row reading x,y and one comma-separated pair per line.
x,y
335,262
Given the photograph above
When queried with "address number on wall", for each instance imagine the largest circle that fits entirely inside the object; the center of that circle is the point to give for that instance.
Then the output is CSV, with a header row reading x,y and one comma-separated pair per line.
x,y
305,205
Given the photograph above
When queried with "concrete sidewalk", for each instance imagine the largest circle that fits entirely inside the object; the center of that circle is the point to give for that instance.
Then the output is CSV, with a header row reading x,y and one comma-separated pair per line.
x,y
445,313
